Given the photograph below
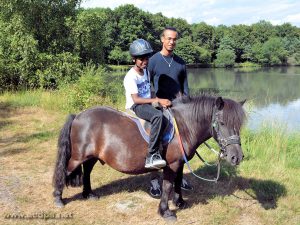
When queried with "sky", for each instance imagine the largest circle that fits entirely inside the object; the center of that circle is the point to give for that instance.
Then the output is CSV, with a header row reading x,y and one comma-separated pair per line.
x,y
215,12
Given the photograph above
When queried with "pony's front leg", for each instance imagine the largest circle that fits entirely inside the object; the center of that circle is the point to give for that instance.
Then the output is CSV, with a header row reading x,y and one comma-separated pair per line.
x,y
163,208
177,199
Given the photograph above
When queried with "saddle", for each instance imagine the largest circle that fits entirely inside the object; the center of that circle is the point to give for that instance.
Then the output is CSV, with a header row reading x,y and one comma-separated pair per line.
x,y
145,126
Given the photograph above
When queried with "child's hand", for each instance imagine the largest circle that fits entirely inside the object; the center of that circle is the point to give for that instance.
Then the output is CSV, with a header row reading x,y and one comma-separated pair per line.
x,y
164,102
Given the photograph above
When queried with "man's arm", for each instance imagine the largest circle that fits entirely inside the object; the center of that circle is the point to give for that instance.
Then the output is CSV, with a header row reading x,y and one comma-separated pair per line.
x,y
185,83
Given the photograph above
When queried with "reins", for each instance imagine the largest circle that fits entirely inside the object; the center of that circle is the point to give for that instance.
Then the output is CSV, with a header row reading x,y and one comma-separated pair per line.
x,y
186,161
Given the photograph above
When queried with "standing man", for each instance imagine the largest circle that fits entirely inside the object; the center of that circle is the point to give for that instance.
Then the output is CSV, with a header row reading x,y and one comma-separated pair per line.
x,y
169,77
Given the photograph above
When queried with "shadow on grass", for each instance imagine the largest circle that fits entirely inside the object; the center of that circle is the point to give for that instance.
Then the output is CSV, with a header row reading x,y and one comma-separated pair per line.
x,y
13,151
266,192
5,110
7,149
7,142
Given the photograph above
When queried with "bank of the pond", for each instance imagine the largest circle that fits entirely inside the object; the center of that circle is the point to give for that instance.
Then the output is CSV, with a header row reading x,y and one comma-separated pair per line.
x,y
208,65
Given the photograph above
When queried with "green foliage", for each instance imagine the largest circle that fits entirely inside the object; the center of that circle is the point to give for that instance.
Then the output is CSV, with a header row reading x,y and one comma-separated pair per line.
x,y
261,31
271,52
225,58
226,43
96,86
274,51
240,41
249,64
32,30
118,56
88,35
18,50
191,52
294,59
55,70
44,19
85,91
131,24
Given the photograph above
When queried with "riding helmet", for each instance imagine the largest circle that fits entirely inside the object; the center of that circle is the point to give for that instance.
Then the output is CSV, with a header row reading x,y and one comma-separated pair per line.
x,y
140,47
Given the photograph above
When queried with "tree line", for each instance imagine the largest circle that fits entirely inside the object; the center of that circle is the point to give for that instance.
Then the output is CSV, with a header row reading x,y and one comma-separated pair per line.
x,y
47,42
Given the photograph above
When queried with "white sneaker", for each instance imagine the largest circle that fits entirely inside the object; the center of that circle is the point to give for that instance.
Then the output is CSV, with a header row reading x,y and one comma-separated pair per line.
x,y
185,185
155,190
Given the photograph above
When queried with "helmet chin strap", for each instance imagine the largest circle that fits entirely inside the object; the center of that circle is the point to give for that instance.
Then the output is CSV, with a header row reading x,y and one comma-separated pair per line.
x,y
141,69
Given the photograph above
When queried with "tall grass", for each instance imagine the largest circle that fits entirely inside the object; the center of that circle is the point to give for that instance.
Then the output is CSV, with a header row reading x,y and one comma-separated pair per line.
x,y
96,86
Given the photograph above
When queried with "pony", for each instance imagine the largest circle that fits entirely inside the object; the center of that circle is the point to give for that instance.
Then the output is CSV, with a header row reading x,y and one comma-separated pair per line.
x,y
107,135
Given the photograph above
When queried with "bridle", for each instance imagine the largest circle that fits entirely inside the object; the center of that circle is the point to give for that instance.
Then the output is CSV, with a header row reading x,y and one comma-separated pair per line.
x,y
217,119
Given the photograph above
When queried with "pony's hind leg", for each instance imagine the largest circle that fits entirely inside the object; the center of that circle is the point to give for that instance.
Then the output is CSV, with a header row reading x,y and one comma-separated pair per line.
x,y
87,169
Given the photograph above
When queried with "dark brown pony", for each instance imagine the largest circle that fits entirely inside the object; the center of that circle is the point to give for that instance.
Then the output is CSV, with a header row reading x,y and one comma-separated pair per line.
x,y
108,135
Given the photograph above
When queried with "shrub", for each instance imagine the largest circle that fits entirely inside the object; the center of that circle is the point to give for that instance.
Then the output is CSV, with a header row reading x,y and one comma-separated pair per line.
x,y
55,70
225,58
86,92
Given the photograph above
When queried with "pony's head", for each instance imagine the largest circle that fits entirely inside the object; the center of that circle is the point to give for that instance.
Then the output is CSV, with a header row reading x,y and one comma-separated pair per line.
x,y
227,119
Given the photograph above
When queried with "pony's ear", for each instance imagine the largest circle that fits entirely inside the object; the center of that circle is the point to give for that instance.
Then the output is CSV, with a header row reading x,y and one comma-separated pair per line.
x,y
219,103
243,102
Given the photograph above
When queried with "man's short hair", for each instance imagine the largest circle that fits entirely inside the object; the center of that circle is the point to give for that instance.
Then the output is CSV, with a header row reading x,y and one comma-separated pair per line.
x,y
168,28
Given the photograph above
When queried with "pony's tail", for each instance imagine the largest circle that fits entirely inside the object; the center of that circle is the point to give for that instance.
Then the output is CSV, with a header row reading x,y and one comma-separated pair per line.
x,y
60,178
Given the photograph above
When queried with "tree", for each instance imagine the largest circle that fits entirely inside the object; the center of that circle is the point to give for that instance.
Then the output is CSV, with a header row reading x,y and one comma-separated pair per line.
x,y
203,34
257,53
130,23
18,55
191,52
219,32
44,19
119,56
273,50
239,36
88,35
225,58
261,31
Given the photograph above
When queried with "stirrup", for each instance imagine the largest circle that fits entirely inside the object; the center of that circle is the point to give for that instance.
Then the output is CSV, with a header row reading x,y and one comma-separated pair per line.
x,y
150,162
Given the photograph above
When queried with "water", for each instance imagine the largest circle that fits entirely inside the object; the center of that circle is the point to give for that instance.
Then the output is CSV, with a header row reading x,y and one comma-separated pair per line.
x,y
273,94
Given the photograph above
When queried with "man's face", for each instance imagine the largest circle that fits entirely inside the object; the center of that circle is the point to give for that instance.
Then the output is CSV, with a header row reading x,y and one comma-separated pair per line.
x,y
169,39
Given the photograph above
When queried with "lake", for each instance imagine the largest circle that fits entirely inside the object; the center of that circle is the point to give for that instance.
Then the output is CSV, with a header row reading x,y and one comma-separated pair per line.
x,y
273,94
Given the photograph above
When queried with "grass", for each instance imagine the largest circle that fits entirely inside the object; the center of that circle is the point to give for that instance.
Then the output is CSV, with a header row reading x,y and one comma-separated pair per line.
x,y
264,189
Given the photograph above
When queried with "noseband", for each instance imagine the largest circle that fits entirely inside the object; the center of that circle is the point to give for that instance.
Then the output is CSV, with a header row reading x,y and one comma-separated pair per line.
x,y
217,119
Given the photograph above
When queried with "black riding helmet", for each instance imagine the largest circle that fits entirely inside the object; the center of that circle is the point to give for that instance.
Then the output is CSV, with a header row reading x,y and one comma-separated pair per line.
x,y
140,47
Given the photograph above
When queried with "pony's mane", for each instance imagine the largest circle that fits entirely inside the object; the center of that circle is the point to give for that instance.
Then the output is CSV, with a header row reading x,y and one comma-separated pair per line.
x,y
202,105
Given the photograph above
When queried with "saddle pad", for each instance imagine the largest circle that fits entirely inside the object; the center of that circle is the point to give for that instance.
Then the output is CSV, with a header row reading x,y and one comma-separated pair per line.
x,y
168,133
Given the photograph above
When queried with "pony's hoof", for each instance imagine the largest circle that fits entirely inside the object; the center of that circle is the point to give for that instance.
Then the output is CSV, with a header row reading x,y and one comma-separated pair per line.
x,y
59,203
180,204
169,216
90,196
